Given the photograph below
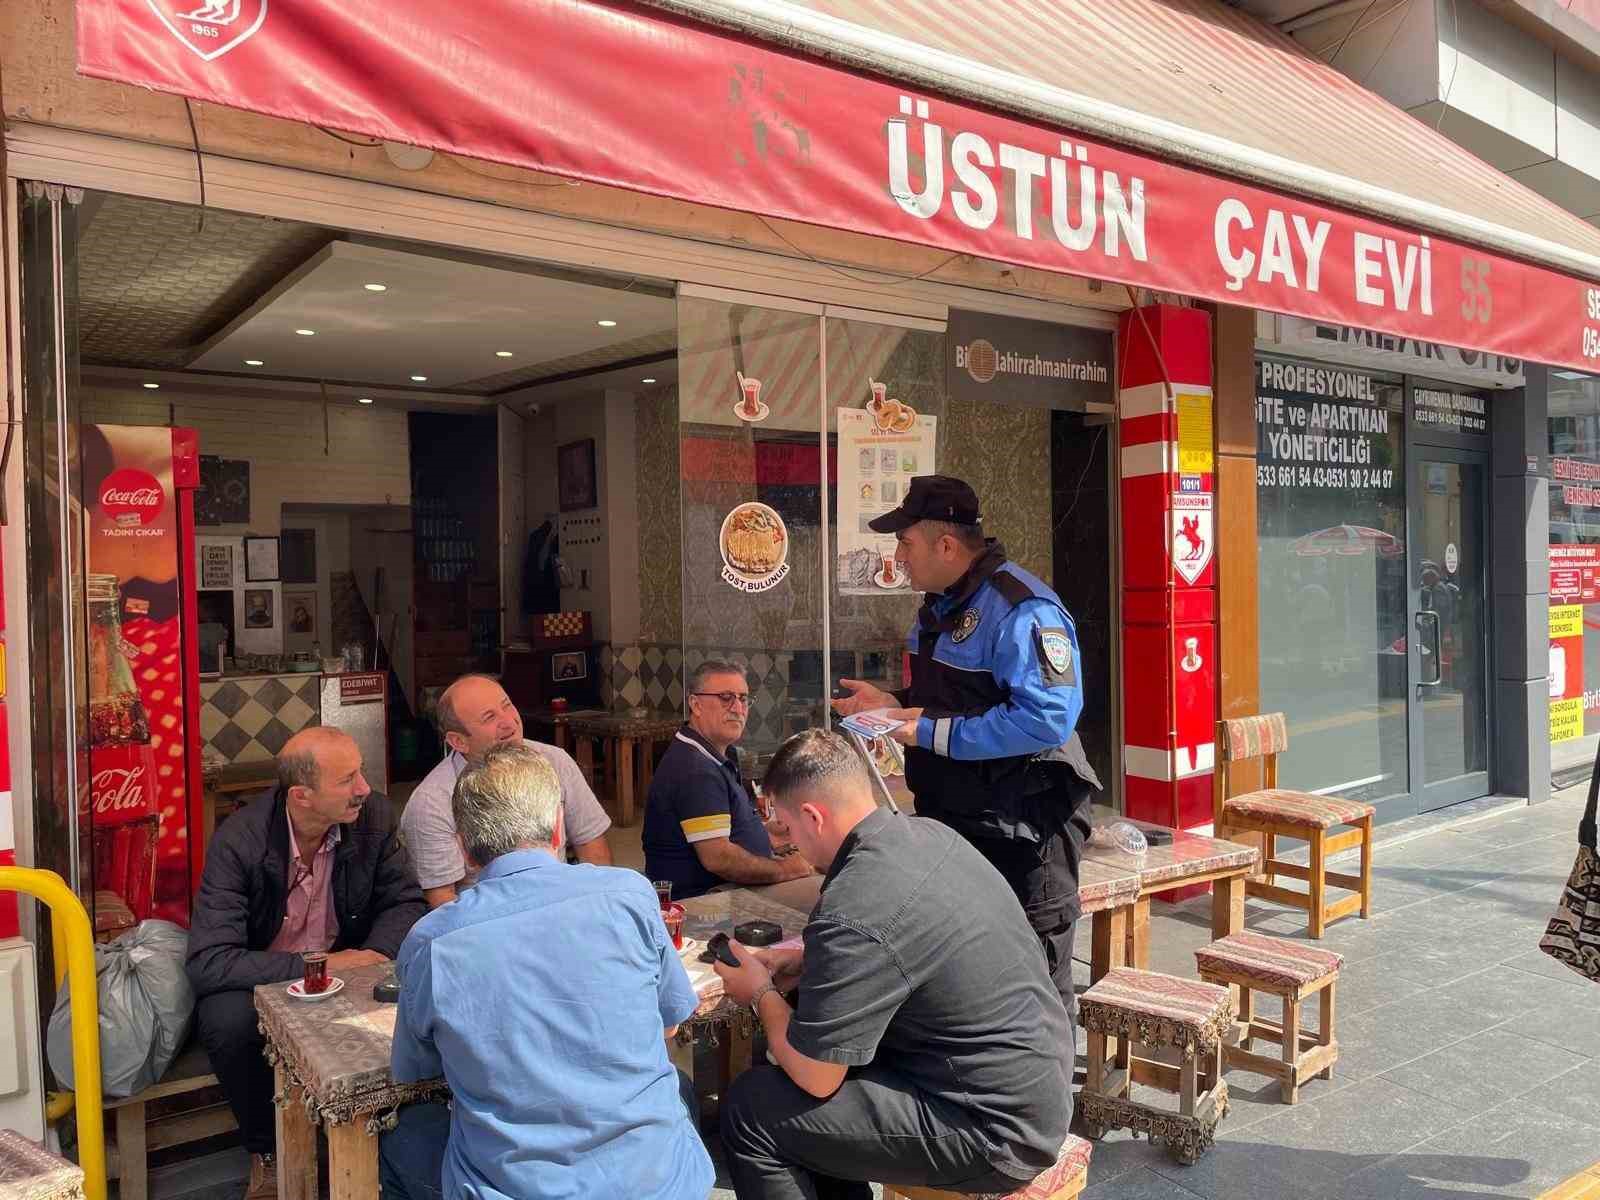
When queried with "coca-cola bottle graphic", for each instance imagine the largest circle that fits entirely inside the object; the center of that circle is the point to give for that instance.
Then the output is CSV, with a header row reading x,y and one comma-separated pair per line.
x,y
126,830
116,714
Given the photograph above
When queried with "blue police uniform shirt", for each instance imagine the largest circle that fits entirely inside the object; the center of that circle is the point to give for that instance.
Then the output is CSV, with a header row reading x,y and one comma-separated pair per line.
x,y
697,794
1031,649
541,995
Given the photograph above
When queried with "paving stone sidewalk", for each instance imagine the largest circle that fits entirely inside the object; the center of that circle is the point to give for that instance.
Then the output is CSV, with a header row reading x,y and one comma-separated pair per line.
x,y
1470,1062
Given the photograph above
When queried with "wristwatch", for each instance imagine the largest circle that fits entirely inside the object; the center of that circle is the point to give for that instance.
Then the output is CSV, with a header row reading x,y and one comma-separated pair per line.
x,y
755,1000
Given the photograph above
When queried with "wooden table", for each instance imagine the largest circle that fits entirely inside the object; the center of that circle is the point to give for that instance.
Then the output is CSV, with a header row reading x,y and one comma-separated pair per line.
x,y
622,733
226,787
331,1058
557,721
1190,858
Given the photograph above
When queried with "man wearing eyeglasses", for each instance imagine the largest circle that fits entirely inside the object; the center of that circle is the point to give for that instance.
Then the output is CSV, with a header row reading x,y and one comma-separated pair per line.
x,y
701,827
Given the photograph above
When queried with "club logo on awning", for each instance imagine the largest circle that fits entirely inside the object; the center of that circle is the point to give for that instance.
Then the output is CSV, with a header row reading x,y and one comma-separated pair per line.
x,y
210,27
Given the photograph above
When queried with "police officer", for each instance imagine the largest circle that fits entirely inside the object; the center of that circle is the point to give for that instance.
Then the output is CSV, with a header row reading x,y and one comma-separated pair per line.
x,y
992,708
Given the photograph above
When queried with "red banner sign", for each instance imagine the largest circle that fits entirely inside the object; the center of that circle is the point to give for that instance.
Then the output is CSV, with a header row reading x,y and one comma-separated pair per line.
x,y
555,85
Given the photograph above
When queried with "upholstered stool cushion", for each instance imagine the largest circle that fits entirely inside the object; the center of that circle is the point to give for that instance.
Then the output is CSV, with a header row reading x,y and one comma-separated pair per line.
x,y
1071,1165
30,1172
1298,808
1158,1010
1251,737
1272,962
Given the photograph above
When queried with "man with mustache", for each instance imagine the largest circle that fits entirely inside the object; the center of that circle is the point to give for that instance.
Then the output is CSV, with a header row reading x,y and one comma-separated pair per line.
x,y
314,865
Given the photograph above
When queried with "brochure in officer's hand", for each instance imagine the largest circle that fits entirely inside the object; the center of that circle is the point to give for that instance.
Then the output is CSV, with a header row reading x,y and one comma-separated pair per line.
x,y
871,724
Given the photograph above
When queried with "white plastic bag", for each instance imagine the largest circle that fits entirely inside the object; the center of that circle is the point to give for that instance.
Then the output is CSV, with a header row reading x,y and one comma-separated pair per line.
x,y
146,1005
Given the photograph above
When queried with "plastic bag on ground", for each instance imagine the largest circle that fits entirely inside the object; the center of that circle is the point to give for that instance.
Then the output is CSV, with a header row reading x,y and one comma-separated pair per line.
x,y
146,1006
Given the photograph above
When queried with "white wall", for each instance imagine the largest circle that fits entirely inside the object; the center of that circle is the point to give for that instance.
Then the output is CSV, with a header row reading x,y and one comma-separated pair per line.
x,y
381,537
332,530
368,458
619,481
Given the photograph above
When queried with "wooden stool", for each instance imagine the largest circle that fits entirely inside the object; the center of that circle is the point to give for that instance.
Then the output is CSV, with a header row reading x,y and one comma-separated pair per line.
x,y
1275,812
1293,972
30,1172
138,1133
1060,1182
1160,1013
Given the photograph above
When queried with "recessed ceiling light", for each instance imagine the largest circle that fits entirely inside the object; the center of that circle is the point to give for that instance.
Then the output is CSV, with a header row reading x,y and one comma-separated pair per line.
x,y
254,362
502,354
647,381
306,332
376,287
152,386
419,379
363,399
605,324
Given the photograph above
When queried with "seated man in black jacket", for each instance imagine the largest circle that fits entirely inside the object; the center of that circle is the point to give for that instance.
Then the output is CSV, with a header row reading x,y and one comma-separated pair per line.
x,y
314,864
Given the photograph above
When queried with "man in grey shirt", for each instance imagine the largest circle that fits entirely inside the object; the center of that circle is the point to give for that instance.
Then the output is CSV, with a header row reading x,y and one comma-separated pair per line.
x,y
475,715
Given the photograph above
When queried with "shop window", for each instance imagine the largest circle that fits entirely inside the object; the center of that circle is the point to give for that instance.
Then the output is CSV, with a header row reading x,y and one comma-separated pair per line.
x,y
1574,569
1331,521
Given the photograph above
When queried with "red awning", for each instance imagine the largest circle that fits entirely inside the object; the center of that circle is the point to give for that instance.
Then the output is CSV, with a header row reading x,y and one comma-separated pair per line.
x,y
636,98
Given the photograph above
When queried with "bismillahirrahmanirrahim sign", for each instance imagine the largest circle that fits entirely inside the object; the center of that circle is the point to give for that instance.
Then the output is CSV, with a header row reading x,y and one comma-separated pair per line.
x,y
1037,363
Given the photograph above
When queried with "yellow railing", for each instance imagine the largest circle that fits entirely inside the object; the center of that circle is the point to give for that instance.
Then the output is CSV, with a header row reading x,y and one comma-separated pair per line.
x,y
73,942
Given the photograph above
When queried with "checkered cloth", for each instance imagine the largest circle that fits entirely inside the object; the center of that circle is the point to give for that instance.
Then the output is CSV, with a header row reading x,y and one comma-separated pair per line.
x,y
1273,962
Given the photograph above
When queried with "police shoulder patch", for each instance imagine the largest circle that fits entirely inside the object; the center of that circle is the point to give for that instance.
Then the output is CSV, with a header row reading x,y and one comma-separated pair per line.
x,y
967,625
1056,660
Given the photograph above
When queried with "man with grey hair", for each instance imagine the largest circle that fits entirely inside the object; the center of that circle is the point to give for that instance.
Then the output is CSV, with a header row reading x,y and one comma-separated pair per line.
x,y
544,995
314,865
930,1047
701,828
475,715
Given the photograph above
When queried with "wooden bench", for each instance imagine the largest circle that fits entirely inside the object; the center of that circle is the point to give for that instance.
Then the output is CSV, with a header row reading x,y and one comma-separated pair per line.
x,y
30,1172
1162,1014
1062,1181
1294,972
138,1133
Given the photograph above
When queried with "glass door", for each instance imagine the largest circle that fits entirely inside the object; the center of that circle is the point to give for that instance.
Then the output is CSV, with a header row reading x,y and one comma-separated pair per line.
x,y
1449,659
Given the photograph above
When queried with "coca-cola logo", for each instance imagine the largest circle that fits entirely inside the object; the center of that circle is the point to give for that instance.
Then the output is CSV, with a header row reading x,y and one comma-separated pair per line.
x,y
119,790
131,492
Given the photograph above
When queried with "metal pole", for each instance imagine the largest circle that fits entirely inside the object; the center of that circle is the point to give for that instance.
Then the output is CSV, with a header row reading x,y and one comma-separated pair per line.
x,y
69,643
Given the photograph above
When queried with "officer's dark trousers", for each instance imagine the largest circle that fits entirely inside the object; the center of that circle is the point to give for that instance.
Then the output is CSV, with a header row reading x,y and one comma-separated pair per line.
x,y
235,1046
1045,884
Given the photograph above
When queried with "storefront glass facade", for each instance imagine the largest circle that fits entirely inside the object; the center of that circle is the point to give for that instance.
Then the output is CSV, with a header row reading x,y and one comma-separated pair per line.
x,y
1574,569
1331,511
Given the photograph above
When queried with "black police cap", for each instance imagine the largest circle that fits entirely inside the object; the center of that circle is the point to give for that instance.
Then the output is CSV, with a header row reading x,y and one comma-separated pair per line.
x,y
931,498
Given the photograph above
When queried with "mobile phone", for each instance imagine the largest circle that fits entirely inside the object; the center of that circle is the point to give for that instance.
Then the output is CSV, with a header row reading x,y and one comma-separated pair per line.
x,y
1157,837
717,951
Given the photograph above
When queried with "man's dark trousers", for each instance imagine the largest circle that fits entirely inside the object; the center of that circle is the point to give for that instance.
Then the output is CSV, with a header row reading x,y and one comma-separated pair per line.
x,y
785,1144
236,1048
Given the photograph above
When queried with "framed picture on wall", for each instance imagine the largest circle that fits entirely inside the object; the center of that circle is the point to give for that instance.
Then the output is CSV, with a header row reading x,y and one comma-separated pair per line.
x,y
569,667
300,624
260,559
258,608
577,485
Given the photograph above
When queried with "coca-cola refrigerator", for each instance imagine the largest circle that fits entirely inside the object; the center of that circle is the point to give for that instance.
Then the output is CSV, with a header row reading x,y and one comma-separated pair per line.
x,y
142,798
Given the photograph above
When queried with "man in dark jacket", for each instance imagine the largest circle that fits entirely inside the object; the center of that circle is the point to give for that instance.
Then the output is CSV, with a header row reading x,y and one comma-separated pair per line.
x,y
314,865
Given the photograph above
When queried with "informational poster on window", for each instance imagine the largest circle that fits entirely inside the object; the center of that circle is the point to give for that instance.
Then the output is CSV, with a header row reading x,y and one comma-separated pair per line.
x,y
1324,428
1566,672
880,448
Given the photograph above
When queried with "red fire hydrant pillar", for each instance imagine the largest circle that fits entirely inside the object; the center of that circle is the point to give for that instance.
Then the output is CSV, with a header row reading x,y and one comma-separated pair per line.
x,y
1169,615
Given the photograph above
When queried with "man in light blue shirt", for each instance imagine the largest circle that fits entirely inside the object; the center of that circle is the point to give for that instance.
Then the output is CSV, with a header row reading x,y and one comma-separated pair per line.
x,y
541,996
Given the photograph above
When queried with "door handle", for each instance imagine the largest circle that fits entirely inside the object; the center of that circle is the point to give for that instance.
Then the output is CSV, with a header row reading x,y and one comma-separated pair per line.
x,y
1428,617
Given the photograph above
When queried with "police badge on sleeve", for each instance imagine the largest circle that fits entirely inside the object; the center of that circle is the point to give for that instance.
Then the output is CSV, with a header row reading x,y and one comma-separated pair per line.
x,y
1056,657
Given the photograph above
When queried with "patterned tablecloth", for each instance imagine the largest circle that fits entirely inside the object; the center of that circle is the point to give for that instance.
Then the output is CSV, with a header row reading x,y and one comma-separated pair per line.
x,y
1105,885
653,725
335,1052
1188,855
30,1172
720,912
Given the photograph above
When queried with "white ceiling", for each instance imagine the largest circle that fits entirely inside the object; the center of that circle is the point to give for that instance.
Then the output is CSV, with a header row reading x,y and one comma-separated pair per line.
x,y
438,317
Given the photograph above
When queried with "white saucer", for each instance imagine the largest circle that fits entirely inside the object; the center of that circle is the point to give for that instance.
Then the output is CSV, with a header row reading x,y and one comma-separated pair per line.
x,y
762,411
297,990
899,580
692,946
